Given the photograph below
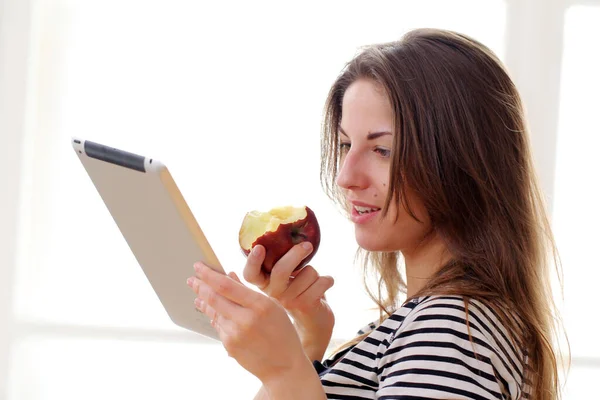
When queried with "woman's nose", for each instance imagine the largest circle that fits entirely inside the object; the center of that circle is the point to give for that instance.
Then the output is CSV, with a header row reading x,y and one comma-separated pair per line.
x,y
351,174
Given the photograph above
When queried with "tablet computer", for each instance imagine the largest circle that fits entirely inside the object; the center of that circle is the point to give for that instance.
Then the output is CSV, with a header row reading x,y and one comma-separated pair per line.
x,y
155,220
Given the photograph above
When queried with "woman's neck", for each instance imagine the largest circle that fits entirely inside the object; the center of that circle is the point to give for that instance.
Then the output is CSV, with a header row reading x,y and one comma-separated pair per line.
x,y
423,262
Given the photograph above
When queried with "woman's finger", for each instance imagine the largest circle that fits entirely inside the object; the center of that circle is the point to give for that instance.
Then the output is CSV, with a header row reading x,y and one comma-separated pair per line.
x,y
306,277
282,270
193,282
204,308
314,293
222,325
209,299
253,272
226,288
234,276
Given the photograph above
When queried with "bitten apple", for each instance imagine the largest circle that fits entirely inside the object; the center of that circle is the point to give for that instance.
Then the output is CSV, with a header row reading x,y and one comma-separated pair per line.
x,y
278,230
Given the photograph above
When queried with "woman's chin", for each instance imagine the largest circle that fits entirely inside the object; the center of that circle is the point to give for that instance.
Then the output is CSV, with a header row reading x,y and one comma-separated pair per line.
x,y
370,241
369,244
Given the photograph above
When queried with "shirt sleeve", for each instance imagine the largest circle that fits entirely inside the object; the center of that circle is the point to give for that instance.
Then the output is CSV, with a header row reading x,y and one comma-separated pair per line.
x,y
323,366
432,357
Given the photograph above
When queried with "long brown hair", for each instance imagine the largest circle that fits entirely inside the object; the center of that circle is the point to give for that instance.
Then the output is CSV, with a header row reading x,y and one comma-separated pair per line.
x,y
461,144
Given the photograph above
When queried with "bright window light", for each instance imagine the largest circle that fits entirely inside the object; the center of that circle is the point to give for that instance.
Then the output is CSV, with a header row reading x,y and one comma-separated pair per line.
x,y
577,193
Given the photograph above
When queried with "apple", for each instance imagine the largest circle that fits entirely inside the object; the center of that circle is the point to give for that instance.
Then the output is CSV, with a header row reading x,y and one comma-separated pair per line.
x,y
278,230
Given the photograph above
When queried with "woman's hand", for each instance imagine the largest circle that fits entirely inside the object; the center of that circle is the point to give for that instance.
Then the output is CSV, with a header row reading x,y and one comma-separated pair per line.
x,y
254,329
301,293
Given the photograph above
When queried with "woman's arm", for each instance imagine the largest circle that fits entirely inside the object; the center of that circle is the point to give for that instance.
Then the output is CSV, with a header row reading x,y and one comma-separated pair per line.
x,y
303,383
257,332
297,387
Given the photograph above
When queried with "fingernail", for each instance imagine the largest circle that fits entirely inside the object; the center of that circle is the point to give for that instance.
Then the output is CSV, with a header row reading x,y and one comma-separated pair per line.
x,y
256,251
190,281
199,303
307,246
197,267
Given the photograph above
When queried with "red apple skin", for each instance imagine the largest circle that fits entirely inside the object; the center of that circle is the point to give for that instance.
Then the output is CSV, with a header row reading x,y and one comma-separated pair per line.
x,y
279,242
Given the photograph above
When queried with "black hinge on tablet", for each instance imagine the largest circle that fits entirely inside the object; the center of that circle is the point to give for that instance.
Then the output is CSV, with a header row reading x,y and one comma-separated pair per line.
x,y
114,156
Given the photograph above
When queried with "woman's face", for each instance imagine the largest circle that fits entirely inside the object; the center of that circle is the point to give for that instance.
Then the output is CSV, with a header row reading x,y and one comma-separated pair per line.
x,y
366,137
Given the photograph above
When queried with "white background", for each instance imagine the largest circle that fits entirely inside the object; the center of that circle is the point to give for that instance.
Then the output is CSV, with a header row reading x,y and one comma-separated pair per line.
x,y
230,95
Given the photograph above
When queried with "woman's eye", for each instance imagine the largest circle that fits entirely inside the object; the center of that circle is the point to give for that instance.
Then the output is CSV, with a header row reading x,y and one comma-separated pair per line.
x,y
383,152
344,147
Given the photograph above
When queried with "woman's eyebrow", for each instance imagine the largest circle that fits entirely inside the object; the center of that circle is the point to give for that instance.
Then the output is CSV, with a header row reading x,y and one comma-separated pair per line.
x,y
370,136
375,135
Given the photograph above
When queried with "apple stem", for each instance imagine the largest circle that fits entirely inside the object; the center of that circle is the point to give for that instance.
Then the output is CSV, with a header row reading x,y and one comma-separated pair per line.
x,y
300,235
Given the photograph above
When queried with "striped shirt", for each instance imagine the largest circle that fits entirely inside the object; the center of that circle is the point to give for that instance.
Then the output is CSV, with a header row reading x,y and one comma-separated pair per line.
x,y
424,351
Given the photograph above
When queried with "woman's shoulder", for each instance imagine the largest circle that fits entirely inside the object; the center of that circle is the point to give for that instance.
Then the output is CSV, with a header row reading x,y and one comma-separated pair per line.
x,y
457,315
451,314
457,319
455,333
435,344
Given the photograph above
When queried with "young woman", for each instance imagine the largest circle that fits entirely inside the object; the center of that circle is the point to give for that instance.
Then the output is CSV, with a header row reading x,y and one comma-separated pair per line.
x,y
426,147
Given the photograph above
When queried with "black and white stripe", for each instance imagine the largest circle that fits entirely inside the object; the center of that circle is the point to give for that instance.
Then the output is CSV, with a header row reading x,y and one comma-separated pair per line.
x,y
429,349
